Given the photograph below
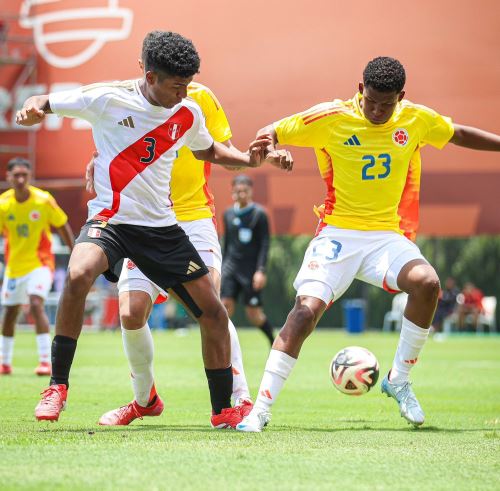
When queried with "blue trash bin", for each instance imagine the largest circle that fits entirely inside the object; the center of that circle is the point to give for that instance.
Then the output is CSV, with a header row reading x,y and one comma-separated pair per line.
x,y
354,315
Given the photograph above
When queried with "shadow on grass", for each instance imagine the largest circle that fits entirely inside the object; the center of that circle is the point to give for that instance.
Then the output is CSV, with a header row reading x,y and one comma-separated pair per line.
x,y
422,429
99,430
204,429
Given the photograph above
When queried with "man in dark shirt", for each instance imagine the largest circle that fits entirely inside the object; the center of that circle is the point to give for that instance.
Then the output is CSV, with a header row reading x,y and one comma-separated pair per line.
x,y
447,303
246,245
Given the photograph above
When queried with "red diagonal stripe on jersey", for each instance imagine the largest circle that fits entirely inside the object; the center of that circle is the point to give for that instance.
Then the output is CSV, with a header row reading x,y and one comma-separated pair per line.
x,y
127,164
308,119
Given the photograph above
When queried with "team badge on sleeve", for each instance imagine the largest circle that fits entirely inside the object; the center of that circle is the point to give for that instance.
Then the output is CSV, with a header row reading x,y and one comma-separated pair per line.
x,y
400,137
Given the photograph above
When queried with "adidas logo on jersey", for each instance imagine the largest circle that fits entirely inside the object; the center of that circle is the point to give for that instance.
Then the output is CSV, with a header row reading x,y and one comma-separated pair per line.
x,y
128,122
192,267
353,141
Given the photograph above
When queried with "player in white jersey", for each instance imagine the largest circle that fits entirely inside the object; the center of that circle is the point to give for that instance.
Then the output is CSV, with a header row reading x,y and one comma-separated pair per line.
x,y
131,215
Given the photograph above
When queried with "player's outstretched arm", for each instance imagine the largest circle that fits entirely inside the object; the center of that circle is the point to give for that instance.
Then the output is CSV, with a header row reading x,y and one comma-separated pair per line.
x,y
279,158
470,137
33,111
221,154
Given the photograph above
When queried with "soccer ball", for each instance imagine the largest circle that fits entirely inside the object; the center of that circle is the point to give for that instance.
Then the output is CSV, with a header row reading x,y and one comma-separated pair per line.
x,y
354,370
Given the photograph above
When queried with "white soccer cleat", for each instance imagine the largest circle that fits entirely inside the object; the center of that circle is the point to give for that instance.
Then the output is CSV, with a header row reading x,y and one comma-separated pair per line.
x,y
409,407
254,422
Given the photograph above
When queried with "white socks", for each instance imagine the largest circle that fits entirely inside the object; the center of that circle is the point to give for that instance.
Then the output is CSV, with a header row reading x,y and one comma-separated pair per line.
x,y
43,343
278,368
411,342
138,346
240,386
6,349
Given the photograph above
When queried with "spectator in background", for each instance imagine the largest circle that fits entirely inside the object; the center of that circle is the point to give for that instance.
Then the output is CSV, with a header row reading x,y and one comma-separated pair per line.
x,y
246,246
447,303
470,305
26,215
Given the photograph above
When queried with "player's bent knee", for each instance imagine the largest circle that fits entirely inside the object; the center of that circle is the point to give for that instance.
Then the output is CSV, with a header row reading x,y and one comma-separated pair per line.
x,y
133,319
302,319
427,287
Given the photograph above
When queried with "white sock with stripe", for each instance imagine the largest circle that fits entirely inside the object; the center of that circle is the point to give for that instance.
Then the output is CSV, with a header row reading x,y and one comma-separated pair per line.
x,y
7,349
411,342
240,385
278,368
139,349
43,343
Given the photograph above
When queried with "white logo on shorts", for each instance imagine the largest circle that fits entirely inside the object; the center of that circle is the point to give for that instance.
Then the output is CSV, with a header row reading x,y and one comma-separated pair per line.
x,y
94,233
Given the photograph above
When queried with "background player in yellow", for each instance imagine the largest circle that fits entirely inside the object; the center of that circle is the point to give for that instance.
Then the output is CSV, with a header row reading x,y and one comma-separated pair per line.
x,y
26,215
368,155
194,208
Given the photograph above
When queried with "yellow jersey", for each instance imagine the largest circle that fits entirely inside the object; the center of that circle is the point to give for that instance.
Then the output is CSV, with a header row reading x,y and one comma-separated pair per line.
x,y
26,229
191,197
372,172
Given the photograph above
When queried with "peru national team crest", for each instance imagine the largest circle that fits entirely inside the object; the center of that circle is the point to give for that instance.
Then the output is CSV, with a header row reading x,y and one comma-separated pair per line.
x,y
400,137
174,131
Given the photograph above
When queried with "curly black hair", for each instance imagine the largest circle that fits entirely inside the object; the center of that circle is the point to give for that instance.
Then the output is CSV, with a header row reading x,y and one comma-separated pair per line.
x,y
384,74
170,54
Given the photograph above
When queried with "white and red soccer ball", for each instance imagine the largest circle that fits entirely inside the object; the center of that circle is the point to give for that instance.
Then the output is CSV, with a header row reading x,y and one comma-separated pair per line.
x,y
354,370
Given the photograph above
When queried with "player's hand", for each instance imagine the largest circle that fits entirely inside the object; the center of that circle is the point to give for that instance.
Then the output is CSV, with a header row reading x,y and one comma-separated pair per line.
x,y
280,158
29,116
89,174
258,149
259,280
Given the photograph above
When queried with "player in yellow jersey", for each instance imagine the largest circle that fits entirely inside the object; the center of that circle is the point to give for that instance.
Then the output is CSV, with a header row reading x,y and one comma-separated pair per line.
x,y
26,215
194,208
368,152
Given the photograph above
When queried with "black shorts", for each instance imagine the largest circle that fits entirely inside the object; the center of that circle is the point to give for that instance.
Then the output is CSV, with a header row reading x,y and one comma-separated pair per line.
x,y
164,254
232,286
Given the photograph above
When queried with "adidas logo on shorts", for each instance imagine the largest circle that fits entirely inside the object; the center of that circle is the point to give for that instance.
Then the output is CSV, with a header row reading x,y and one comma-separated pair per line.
x,y
192,267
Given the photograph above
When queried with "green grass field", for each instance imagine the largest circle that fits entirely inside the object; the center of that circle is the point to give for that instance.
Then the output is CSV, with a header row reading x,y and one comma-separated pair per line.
x,y
318,438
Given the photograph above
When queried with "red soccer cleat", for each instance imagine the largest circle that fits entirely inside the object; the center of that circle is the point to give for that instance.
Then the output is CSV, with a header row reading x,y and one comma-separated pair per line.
x,y
228,418
52,403
126,414
245,406
44,368
5,369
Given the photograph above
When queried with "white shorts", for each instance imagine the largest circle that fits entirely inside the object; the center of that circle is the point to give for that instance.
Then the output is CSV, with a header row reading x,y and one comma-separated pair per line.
x,y
203,236
16,291
338,256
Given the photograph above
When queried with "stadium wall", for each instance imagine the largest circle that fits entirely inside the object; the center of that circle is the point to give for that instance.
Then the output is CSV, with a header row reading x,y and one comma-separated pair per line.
x,y
265,60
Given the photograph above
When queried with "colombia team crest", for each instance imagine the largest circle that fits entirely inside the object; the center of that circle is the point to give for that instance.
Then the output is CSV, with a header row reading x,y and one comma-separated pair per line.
x,y
174,131
35,215
400,137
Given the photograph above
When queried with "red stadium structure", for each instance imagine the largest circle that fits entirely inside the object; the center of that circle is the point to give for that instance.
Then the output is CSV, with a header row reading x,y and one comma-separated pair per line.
x,y
265,61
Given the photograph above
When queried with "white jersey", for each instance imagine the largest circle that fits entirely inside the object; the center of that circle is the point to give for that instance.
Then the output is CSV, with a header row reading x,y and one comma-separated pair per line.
x,y
137,144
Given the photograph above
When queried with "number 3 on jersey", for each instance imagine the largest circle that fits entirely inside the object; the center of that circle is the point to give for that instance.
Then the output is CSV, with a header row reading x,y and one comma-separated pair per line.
x,y
150,148
366,172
